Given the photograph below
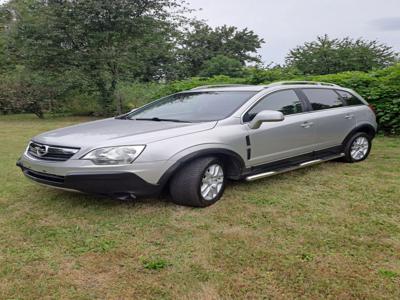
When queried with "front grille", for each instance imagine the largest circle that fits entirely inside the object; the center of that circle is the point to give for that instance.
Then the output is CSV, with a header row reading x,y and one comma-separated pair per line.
x,y
52,153
43,176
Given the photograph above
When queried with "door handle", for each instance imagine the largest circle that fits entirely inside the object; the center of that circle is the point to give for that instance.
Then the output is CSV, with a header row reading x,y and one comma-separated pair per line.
x,y
307,124
349,117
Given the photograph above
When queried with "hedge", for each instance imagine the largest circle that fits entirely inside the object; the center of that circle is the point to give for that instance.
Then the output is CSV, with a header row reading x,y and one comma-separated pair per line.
x,y
380,88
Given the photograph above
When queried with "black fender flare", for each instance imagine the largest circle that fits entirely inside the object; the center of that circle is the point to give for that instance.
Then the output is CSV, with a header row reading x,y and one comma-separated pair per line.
x,y
202,153
367,128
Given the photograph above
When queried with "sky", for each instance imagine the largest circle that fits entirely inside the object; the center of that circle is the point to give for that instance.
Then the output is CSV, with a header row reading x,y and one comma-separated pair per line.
x,y
284,24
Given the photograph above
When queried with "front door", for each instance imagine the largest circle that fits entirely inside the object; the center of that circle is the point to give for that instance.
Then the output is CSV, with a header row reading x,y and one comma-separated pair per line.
x,y
274,141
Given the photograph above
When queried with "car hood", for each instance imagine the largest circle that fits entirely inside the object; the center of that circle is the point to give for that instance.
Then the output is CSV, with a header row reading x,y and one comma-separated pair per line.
x,y
114,132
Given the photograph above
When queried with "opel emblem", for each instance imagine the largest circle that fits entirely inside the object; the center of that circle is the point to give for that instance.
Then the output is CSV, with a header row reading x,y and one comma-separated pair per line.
x,y
41,150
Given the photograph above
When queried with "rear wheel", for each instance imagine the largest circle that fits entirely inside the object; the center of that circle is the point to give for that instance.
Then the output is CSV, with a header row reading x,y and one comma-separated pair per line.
x,y
199,184
358,148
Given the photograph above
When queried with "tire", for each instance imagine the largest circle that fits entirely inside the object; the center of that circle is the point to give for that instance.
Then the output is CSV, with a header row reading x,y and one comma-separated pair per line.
x,y
357,148
186,185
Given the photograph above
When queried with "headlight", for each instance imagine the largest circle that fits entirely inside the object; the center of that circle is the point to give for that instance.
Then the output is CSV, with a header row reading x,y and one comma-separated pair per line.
x,y
114,155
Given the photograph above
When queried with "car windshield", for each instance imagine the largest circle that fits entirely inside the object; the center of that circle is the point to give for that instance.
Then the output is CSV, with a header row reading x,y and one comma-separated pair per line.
x,y
193,106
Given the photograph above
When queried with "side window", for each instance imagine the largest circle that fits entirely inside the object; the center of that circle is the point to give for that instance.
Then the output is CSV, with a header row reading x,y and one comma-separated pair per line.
x,y
285,101
323,98
349,98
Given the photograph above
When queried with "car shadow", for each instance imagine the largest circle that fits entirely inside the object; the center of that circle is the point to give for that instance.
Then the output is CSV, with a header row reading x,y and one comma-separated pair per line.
x,y
87,200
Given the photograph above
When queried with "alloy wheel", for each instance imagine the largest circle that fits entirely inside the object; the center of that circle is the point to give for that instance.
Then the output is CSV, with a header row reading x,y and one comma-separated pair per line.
x,y
359,148
212,182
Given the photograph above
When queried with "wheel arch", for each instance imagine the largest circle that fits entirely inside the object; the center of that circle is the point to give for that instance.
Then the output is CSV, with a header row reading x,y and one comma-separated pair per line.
x,y
366,128
233,163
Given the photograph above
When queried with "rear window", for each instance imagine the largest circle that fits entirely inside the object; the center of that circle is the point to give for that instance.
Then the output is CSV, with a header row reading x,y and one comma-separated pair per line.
x,y
349,98
323,98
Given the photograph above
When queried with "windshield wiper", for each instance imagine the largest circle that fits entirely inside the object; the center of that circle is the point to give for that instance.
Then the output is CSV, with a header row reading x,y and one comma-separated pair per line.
x,y
155,119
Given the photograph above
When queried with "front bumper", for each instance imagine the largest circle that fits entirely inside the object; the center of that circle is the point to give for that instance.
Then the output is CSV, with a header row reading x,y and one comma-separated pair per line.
x,y
116,184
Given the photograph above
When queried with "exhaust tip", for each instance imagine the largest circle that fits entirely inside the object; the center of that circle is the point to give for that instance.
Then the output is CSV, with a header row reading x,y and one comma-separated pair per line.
x,y
125,196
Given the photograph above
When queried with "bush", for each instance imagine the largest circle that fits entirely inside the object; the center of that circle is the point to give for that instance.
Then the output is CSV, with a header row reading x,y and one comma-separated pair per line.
x,y
137,94
22,93
380,88
256,75
222,65
80,104
388,115
133,95
25,91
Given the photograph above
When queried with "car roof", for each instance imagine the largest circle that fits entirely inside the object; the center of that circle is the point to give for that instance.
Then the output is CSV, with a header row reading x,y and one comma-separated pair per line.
x,y
249,88
259,88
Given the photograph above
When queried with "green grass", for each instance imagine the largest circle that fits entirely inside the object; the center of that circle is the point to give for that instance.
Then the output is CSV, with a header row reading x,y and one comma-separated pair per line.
x,y
329,231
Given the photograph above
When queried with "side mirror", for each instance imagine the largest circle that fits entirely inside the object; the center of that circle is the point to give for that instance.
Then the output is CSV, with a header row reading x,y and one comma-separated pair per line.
x,y
266,116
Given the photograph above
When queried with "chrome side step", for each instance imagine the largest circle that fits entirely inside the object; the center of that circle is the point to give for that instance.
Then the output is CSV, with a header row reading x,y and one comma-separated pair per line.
x,y
302,165
261,175
310,163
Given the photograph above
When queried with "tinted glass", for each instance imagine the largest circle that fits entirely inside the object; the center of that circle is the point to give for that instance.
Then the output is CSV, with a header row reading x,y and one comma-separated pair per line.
x,y
194,106
323,98
286,102
349,98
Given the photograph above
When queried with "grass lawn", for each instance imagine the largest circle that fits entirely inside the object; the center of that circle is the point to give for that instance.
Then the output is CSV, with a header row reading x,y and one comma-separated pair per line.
x,y
328,231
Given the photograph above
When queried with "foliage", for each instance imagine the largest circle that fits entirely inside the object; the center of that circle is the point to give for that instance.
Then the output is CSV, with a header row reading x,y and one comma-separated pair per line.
x,y
155,264
137,94
107,41
201,43
328,56
388,114
222,65
379,88
27,92
260,75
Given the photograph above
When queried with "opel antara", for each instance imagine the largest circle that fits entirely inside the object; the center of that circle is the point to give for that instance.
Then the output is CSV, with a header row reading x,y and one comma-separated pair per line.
x,y
190,143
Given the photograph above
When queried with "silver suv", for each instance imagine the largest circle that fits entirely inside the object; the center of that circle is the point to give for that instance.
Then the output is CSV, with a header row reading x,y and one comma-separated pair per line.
x,y
190,143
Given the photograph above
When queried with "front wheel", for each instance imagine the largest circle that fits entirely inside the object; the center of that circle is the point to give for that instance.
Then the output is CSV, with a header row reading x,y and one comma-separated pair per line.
x,y
199,184
358,148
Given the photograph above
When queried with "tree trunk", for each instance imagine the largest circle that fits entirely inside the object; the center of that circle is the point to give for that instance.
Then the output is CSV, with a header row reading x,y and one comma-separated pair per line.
x,y
119,99
106,97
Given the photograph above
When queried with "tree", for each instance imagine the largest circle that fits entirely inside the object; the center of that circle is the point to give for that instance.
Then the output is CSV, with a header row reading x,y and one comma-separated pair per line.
x,y
6,20
201,43
222,65
328,56
107,41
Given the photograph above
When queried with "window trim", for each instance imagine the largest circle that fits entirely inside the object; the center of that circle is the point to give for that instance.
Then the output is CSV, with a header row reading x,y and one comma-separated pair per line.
x,y
304,104
326,89
344,100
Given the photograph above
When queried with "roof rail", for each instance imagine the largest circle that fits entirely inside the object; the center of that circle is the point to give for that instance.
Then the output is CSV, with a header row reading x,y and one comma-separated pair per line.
x,y
215,86
302,82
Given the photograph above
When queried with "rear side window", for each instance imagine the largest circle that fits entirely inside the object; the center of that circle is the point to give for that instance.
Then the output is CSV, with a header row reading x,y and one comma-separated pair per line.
x,y
286,102
323,98
349,98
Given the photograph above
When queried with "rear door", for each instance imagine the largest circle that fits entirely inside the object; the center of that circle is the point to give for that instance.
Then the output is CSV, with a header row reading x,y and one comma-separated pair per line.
x,y
332,118
275,141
